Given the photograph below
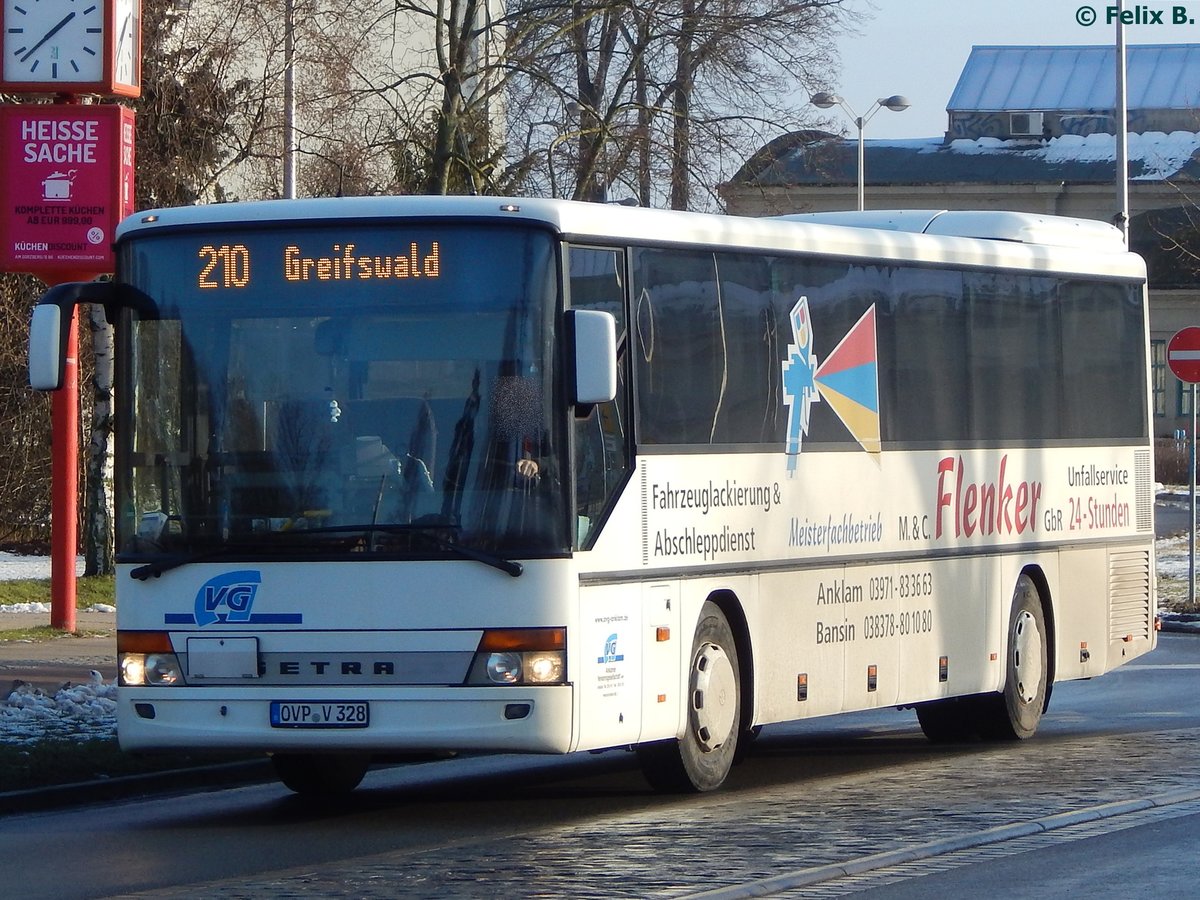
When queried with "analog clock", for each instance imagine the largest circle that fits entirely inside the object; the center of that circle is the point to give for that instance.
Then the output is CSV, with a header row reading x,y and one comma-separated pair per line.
x,y
54,42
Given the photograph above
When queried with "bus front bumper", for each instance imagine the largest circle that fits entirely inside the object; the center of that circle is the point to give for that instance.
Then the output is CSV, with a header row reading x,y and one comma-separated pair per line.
x,y
500,719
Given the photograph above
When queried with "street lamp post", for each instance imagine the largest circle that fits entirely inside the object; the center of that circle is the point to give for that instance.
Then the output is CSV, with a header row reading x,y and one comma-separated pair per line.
x,y
289,99
827,100
1122,141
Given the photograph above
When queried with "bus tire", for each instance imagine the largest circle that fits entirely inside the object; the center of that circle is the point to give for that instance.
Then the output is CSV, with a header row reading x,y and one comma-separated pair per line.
x,y
746,742
1015,713
701,759
320,775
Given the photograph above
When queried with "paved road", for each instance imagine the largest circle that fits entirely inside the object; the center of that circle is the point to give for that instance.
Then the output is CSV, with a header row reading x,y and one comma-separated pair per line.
x,y
1149,854
1171,514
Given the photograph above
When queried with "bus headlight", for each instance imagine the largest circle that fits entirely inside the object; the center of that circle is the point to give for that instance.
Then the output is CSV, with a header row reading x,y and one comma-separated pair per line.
x,y
520,656
133,669
545,668
146,658
504,668
154,669
531,667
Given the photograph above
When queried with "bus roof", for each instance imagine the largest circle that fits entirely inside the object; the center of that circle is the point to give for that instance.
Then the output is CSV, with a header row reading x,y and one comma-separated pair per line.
x,y
987,239
1025,228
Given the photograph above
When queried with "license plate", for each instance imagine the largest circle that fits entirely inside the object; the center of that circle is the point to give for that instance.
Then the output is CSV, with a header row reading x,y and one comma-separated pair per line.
x,y
320,714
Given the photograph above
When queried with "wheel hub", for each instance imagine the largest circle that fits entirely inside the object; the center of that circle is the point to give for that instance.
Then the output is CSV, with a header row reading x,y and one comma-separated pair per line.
x,y
1027,656
714,697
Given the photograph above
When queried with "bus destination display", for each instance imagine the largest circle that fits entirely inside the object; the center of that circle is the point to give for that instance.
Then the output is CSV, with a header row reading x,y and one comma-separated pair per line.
x,y
234,265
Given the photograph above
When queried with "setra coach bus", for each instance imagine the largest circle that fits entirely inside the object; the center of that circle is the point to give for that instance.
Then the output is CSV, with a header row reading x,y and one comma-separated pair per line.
x,y
473,473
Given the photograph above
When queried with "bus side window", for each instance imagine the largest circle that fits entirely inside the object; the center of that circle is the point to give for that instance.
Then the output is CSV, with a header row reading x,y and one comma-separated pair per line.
x,y
601,439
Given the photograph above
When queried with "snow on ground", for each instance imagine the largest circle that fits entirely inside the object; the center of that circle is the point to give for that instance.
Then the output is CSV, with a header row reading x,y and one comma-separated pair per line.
x,y
78,712
85,711
14,567
1171,556
75,712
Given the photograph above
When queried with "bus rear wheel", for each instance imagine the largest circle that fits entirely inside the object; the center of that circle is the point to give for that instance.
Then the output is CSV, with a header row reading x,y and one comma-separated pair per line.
x,y
700,760
1016,712
320,775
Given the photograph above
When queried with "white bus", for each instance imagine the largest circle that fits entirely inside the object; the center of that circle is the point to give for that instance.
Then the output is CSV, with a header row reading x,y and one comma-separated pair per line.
x,y
475,474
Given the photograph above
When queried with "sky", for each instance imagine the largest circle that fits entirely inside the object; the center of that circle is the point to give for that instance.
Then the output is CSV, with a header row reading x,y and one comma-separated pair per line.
x,y
918,48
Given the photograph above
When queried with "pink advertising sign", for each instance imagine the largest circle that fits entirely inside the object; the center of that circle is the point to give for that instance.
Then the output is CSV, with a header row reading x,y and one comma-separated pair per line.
x,y
68,181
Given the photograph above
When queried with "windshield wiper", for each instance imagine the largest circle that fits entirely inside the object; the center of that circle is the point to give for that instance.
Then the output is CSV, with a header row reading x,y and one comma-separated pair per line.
x,y
154,569
508,566
429,532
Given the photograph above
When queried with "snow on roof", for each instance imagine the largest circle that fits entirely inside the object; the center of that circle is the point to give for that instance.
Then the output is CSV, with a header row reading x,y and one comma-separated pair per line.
x,y
1015,78
1161,155
1153,156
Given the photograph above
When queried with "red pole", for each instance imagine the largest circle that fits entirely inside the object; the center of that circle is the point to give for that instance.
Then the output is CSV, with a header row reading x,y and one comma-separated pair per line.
x,y
64,522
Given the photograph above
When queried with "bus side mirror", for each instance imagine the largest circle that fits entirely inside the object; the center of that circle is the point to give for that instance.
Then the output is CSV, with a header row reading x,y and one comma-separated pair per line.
x,y
50,328
594,342
48,334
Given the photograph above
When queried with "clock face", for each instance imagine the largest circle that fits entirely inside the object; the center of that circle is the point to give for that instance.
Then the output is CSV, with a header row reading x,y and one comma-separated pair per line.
x,y
53,41
125,30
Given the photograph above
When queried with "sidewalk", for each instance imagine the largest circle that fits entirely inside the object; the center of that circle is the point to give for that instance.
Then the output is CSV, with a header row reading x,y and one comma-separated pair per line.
x,y
48,664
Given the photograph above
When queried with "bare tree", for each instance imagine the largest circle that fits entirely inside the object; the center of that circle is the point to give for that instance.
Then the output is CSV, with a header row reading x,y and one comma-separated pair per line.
x,y
578,98
667,96
198,117
363,94
445,85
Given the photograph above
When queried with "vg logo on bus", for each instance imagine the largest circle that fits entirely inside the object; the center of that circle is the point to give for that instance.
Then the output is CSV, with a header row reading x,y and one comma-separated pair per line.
x,y
610,652
228,599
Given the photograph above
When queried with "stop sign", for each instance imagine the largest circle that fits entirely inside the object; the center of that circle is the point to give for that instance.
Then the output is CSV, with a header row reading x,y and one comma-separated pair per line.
x,y
1183,354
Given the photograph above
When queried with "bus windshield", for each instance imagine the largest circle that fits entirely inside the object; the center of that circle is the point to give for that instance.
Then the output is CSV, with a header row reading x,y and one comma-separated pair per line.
x,y
355,388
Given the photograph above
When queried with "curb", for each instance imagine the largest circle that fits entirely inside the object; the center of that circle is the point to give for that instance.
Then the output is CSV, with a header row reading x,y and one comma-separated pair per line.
x,y
805,877
126,787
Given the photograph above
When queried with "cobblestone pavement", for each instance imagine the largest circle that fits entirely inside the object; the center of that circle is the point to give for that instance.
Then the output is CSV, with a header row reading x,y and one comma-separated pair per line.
x,y
760,830
886,875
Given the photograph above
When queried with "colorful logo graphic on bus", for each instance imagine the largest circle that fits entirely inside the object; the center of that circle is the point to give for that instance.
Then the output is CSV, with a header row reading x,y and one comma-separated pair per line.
x,y
848,380
228,599
799,380
610,651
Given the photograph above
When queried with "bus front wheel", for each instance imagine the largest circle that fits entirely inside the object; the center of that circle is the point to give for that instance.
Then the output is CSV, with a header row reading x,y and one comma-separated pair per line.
x,y
700,760
320,775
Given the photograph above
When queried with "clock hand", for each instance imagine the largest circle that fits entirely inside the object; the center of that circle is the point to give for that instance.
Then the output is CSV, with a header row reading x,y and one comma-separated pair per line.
x,y
125,35
49,34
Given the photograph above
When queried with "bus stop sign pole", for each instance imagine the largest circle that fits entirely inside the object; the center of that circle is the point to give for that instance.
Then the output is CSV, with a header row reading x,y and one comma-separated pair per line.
x,y
1183,357
64,516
